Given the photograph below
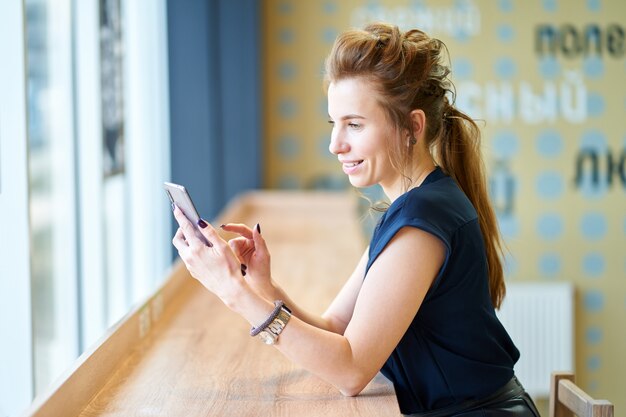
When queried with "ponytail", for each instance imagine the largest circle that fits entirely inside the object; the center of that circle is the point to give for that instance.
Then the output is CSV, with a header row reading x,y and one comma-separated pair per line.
x,y
457,151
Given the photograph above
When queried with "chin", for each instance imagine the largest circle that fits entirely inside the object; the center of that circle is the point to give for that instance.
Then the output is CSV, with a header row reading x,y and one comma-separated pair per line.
x,y
359,183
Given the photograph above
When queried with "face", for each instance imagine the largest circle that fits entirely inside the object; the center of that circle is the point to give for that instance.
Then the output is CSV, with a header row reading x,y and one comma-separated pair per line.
x,y
360,134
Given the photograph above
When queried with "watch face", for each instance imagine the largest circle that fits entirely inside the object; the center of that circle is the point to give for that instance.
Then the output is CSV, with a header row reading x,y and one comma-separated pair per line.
x,y
267,337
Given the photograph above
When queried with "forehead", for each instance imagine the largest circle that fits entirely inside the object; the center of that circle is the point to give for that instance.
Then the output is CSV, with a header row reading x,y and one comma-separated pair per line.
x,y
352,96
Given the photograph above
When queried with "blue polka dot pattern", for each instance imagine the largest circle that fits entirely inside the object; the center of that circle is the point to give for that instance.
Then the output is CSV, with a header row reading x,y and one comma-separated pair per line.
x,y
288,182
549,143
505,144
323,143
510,265
286,71
593,363
505,6
505,33
373,5
330,7
417,4
462,69
594,5
593,335
286,36
594,139
549,5
550,185
595,104
460,34
549,67
329,35
550,226
593,301
288,147
285,7
323,107
550,264
593,67
505,68
287,108
593,191
593,265
593,226
462,4
509,226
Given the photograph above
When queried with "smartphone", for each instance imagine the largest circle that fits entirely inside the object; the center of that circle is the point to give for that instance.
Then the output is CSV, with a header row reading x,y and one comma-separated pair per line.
x,y
178,195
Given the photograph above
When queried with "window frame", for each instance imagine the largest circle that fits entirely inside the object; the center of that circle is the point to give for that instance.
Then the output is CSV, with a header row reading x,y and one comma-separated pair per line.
x,y
16,374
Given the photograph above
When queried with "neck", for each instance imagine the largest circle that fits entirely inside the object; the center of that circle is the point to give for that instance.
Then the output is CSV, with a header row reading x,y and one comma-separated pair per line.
x,y
417,175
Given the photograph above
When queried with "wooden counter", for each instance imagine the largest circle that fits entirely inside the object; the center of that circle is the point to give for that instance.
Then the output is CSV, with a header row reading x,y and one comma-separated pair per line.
x,y
182,353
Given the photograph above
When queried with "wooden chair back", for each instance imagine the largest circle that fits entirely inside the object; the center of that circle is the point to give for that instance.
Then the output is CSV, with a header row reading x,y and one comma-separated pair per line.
x,y
568,400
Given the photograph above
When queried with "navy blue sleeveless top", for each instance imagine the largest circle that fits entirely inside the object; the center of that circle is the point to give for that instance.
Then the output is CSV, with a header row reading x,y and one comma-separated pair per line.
x,y
455,349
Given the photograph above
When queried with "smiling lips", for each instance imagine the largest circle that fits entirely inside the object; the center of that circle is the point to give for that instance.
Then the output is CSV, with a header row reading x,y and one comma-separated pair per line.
x,y
350,166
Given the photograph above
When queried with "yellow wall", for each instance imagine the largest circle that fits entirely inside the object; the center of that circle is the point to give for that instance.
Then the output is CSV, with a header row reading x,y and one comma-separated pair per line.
x,y
545,109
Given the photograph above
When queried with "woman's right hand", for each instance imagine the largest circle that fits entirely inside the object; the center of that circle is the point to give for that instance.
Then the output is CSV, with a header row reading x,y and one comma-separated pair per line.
x,y
251,249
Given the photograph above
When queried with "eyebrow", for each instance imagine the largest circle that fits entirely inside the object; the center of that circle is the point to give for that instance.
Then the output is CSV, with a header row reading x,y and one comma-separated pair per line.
x,y
349,116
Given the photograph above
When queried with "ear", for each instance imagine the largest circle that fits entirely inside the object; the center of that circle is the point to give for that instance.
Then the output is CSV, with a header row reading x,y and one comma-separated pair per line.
x,y
418,123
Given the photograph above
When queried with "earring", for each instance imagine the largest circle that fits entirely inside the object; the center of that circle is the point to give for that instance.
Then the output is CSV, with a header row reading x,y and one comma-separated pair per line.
x,y
412,141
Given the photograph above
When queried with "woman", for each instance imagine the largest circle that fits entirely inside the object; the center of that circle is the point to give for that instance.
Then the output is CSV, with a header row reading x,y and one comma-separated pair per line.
x,y
419,305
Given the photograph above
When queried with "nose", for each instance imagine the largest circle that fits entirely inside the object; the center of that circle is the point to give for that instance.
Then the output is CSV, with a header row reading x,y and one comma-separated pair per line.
x,y
337,143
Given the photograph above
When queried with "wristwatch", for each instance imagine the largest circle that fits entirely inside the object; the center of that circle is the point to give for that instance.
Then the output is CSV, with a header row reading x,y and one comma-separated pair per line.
x,y
269,335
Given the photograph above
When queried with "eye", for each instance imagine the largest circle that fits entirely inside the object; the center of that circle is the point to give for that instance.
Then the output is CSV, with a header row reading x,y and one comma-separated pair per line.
x,y
354,125
331,122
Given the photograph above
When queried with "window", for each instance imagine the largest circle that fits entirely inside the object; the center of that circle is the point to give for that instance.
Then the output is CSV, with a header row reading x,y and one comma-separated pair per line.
x,y
52,177
89,151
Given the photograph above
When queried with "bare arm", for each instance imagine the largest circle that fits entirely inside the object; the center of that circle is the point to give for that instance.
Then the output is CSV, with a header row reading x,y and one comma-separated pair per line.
x,y
252,250
336,318
386,304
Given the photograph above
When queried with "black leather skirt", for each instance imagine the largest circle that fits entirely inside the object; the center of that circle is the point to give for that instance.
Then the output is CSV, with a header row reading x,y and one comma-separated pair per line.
x,y
509,401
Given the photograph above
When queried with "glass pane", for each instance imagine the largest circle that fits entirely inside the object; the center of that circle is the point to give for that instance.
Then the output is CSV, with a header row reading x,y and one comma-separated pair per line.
x,y
51,185
111,53
115,212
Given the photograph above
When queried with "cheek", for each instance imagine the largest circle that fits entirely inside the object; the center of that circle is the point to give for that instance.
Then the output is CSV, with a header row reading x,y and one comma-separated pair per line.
x,y
375,146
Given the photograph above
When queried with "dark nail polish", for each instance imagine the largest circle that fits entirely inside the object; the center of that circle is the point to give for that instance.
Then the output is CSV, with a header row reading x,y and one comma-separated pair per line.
x,y
222,226
202,223
258,228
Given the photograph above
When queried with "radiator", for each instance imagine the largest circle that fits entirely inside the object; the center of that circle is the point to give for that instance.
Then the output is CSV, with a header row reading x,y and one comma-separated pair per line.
x,y
539,317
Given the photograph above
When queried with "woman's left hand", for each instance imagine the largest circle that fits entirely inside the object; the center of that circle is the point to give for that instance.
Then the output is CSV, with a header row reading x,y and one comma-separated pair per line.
x,y
215,266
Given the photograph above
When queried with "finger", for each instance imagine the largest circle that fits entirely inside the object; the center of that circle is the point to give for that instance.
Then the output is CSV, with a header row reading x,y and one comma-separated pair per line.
x,y
238,244
259,242
179,241
211,235
238,247
188,228
239,228
242,247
